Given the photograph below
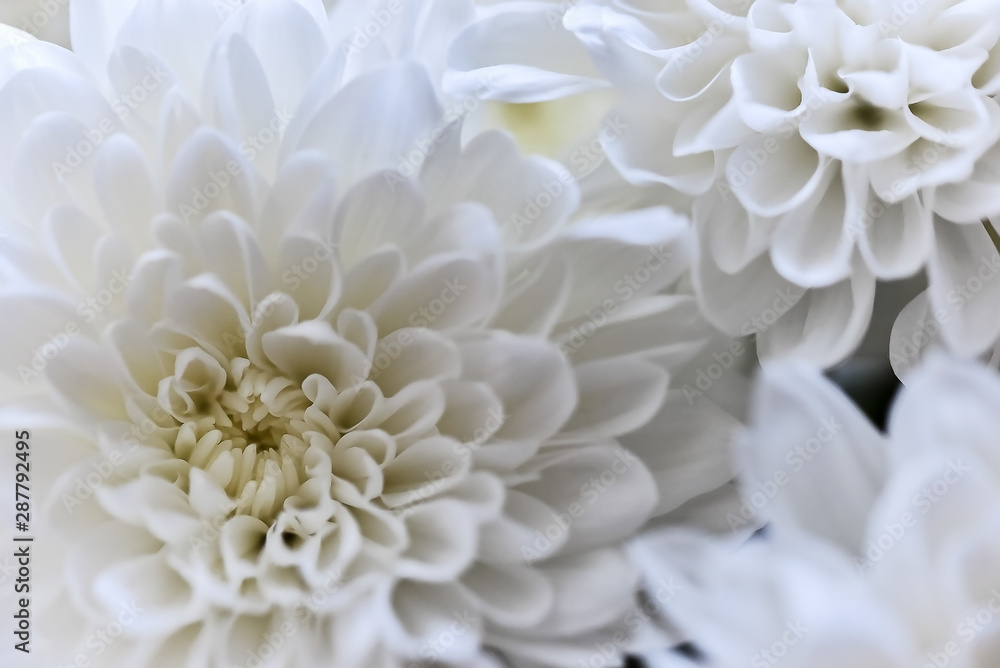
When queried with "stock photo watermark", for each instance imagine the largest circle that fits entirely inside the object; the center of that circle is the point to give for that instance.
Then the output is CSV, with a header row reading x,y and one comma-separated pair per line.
x,y
762,492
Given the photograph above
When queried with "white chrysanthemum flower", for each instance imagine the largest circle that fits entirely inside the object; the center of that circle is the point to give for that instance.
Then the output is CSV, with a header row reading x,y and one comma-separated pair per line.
x,y
837,181
881,549
329,384
829,144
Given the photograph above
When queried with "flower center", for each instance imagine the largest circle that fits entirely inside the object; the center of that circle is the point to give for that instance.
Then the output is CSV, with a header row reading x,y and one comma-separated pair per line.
x,y
244,428
868,116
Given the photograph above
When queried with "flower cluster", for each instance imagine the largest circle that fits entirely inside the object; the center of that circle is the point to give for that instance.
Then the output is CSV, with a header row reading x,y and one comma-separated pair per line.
x,y
424,333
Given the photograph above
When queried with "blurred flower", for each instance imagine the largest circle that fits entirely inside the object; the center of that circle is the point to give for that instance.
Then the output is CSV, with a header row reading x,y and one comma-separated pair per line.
x,y
880,550
321,382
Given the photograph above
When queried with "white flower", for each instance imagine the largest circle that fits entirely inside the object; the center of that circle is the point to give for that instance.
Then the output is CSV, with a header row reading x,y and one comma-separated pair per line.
x,y
321,382
881,550
828,144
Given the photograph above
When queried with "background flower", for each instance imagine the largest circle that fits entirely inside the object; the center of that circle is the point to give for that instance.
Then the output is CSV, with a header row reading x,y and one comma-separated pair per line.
x,y
821,159
856,518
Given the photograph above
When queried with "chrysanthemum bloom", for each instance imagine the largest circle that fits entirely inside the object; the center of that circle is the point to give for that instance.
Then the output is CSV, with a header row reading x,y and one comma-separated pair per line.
x,y
828,144
881,549
314,382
